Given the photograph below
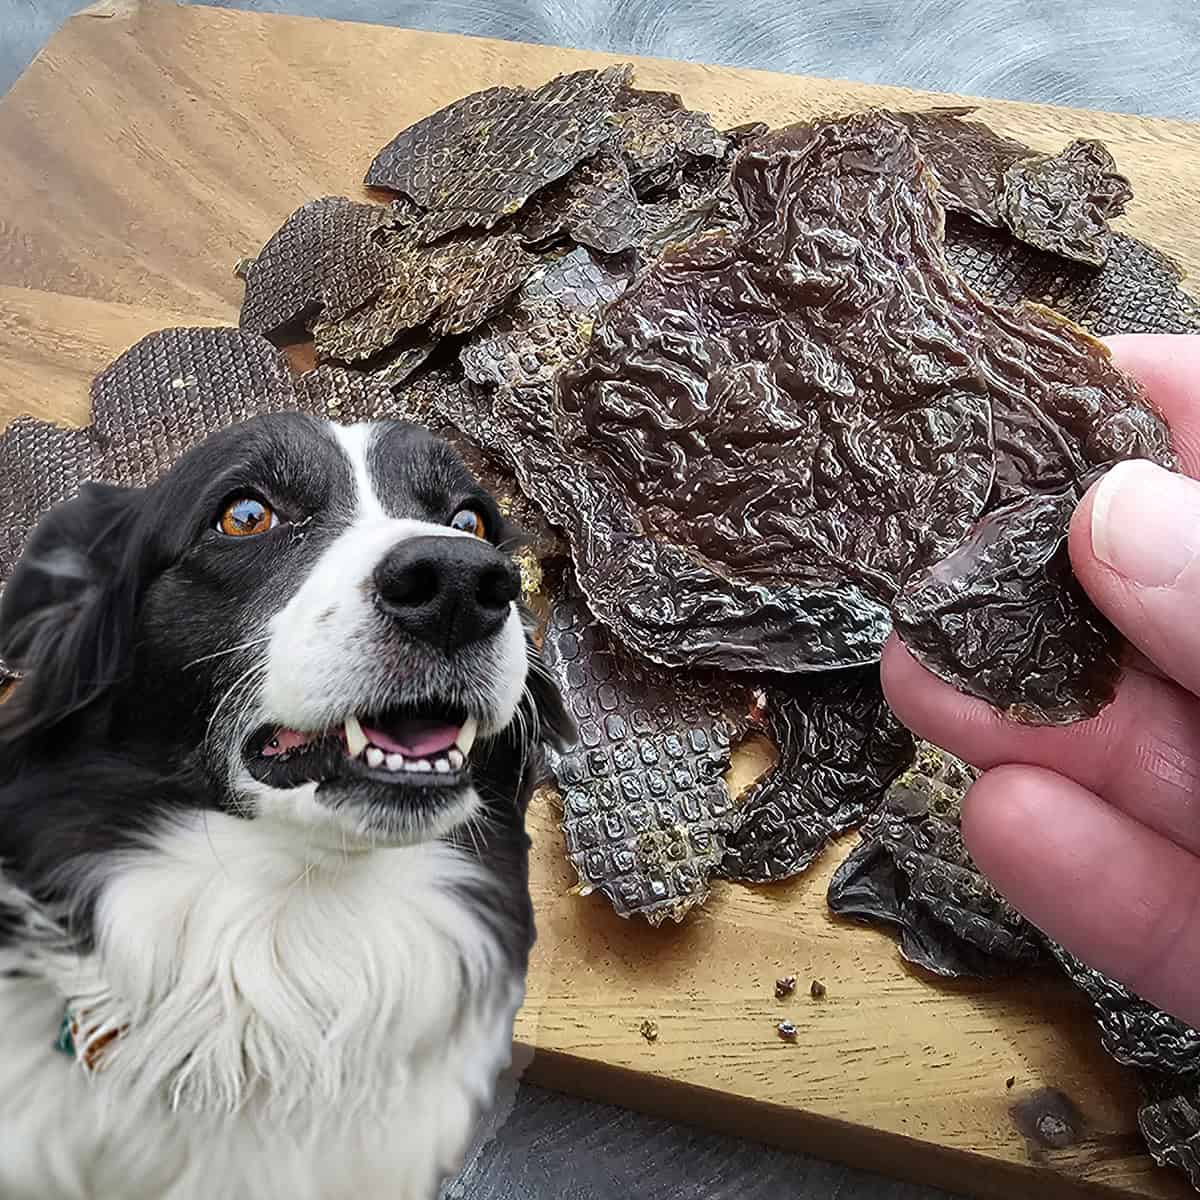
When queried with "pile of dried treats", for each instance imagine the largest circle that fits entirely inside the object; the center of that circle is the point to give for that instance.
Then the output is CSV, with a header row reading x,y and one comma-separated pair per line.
x,y
761,396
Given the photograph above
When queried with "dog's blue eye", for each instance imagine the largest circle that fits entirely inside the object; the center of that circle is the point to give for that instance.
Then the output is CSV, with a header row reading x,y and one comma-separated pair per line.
x,y
245,517
469,521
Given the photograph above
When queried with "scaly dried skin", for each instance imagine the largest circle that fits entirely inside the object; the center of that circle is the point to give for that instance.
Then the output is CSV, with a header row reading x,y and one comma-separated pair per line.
x,y
325,258
645,808
839,748
748,419
1136,291
447,288
594,206
481,158
659,138
912,870
1003,618
1061,202
1169,1120
1132,1030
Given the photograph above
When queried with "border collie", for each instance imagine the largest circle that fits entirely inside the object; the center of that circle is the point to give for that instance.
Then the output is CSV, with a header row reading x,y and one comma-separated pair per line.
x,y
264,904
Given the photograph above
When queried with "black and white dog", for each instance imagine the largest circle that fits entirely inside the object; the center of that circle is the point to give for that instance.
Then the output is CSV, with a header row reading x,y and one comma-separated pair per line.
x,y
263,865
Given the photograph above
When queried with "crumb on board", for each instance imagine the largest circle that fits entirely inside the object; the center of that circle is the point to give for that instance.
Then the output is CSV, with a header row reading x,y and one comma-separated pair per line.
x,y
1012,1079
817,990
787,1031
785,986
649,1031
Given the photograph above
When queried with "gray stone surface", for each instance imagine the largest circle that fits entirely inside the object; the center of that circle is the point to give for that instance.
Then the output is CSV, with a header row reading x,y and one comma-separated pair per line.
x,y
1125,56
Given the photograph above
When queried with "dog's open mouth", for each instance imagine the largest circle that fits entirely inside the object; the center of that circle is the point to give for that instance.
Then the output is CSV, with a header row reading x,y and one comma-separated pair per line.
x,y
425,747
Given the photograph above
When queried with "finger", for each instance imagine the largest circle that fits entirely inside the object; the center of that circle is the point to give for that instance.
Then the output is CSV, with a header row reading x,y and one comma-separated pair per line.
x,y
1141,754
1113,892
1168,367
1135,547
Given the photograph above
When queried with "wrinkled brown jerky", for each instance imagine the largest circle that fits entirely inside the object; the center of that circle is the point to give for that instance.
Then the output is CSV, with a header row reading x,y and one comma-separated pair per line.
x,y
482,157
646,811
967,158
1136,291
1057,202
450,288
1061,202
911,870
324,259
757,441
658,137
1132,1030
594,206
1169,1119
839,748
1002,617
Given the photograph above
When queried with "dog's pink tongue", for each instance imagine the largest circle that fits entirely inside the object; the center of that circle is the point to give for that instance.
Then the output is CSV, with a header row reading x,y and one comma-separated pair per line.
x,y
414,739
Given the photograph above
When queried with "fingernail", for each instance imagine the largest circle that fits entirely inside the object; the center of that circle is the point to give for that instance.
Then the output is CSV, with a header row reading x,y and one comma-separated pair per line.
x,y
1146,522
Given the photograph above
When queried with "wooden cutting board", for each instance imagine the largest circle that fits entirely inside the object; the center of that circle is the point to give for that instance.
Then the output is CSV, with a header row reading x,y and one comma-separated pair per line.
x,y
150,147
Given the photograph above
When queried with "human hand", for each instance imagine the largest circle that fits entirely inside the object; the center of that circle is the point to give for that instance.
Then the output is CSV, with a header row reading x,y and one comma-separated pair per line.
x,y
1092,830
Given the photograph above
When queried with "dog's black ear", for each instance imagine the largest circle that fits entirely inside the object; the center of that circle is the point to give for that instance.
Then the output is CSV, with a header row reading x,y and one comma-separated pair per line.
x,y
67,614
555,724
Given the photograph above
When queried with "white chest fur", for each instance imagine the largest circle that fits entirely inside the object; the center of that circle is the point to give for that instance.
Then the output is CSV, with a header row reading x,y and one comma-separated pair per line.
x,y
294,1025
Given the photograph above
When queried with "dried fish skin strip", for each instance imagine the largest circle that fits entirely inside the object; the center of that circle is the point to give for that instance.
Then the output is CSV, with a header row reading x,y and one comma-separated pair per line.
x,y
1132,1030
1003,618
658,137
448,288
594,206
912,870
1169,1121
645,807
482,157
718,398
1061,202
324,259
839,748
343,395
1137,291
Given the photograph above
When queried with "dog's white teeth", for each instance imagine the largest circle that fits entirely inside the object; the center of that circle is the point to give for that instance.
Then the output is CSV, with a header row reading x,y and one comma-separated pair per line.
x,y
466,735
441,765
420,764
395,762
356,740
375,757
456,758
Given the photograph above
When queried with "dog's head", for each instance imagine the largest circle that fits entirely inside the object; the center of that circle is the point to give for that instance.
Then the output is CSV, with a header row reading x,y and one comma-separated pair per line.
x,y
323,620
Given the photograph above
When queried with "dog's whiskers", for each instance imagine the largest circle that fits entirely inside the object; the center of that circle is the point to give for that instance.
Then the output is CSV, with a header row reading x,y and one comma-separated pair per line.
x,y
260,641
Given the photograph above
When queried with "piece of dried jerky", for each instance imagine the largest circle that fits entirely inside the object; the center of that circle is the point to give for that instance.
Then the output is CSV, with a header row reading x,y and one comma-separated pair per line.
x,y
968,159
446,288
839,748
482,157
911,870
324,259
1169,1119
1132,1030
342,395
594,206
757,438
658,137
1061,202
1136,291
1057,202
1003,618
646,811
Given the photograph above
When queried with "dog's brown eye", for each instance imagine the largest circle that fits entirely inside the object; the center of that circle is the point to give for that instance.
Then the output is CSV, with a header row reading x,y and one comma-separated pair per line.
x,y
246,516
469,521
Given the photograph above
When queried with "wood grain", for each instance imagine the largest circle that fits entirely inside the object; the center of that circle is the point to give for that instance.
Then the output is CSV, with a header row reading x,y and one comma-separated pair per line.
x,y
147,150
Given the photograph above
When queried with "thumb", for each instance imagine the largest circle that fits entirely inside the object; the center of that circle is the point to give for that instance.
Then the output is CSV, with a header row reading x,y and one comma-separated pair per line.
x,y
1135,548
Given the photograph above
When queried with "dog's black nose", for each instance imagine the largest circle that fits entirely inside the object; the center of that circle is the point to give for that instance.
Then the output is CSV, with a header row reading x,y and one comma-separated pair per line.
x,y
448,591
